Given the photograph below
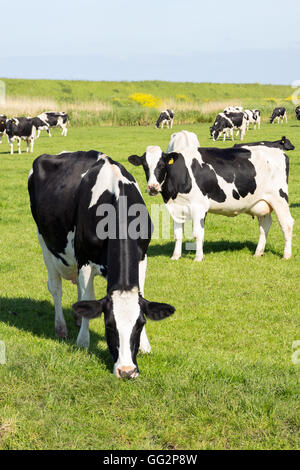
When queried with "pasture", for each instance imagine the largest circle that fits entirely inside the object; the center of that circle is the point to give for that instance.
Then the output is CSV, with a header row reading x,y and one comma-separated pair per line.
x,y
220,375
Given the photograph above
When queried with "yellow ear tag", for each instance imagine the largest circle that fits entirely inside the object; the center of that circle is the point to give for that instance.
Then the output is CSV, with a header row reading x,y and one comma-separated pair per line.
x,y
171,161
282,141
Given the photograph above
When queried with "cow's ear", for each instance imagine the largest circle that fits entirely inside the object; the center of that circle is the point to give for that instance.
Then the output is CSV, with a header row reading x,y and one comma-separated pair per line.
x,y
135,160
283,139
170,158
155,310
89,308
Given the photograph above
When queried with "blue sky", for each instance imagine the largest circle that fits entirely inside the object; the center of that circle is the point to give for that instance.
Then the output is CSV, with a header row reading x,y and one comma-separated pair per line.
x,y
218,41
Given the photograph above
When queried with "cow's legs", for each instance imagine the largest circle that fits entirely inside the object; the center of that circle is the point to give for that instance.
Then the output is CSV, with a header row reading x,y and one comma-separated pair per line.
x,y
31,145
178,232
198,217
55,289
11,147
86,291
286,223
49,133
264,222
144,342
19,145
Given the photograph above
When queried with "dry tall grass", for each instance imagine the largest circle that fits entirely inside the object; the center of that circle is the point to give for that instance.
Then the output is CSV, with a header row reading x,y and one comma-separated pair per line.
x,y
205,108
25,106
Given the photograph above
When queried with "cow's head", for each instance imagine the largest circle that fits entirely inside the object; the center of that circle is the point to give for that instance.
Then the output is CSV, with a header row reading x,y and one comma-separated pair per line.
x,y
286,144
9,125
155,167
125,314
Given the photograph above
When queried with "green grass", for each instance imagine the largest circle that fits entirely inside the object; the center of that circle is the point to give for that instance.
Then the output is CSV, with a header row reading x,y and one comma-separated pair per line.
x,y
187,99
220,374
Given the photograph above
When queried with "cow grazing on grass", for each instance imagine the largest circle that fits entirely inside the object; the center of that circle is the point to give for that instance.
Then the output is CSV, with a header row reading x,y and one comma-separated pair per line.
x,y
252,117
71,195
221,181
18,129
282,144
279,114
165,117
2,126
54,119
226,123
297,111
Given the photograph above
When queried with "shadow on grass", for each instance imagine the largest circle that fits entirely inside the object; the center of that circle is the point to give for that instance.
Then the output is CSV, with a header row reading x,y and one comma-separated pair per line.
x,y
37,317
167,249
296,204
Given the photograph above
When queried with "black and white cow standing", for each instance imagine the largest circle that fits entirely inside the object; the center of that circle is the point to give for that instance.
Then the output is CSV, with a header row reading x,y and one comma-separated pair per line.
x,y
282,144
253,117
165,117
226,123
54,119
74,198
297,111
2,126
251,180
180,142
18,129
279,114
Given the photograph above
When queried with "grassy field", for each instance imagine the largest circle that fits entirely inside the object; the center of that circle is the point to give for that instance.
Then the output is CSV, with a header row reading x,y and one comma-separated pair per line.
x,y
220,375
138,103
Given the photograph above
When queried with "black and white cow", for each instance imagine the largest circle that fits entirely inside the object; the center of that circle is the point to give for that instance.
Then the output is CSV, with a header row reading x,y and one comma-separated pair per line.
x,y
54,119
226,123
279,114
297,111
40,125
2,126
221,181
18,129
282,144
252,117
233,109
85,205
180,141
165,117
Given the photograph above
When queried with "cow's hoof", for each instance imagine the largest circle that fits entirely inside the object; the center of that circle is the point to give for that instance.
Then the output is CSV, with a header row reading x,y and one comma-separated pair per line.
x,y
198,258
83,343
175,257
259,254
287,256
61,331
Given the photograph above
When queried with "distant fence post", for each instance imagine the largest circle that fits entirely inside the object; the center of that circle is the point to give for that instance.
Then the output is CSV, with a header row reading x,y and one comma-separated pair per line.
x,y
2,92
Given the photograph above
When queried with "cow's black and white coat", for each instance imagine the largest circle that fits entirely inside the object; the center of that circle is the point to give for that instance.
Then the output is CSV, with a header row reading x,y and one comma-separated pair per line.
x,y
70,195
226,123
282,144
297,111
166,117
18,129
54,119
279,114
2,126
251,180
233,109
252,117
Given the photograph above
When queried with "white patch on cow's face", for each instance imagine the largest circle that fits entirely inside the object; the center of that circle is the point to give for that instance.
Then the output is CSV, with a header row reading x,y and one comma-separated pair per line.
x,y
126,311
152,157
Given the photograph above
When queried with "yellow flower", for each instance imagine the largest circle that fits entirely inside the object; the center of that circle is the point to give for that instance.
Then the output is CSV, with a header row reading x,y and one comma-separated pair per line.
x,y
147,100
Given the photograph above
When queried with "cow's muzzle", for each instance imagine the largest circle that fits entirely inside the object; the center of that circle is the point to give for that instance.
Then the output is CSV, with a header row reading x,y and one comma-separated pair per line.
x,y
153,189
127,372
